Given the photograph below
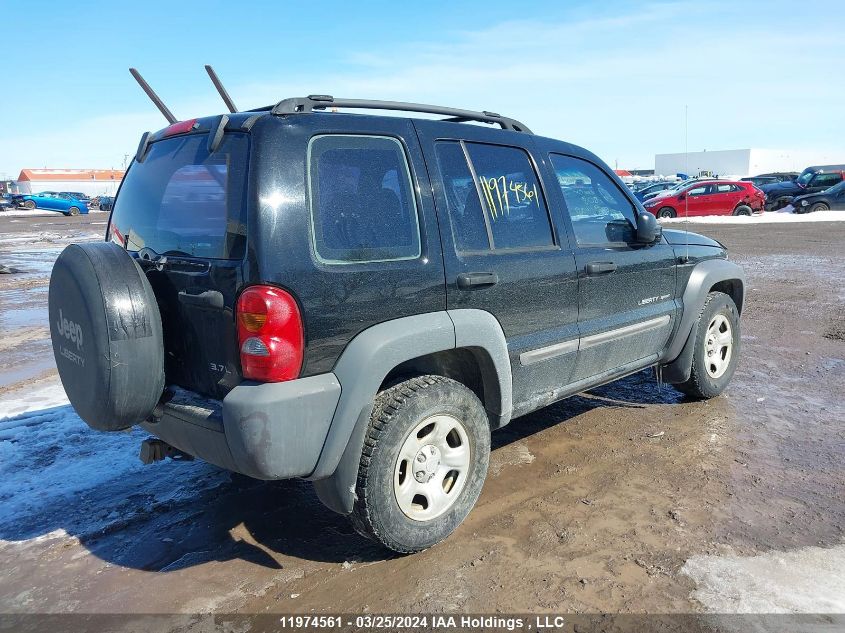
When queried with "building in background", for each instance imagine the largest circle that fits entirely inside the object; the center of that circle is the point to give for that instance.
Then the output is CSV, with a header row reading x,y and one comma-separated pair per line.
x,y
738,163
93,182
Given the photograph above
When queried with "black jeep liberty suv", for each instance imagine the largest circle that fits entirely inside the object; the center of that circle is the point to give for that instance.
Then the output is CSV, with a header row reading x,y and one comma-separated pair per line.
x,y
360,299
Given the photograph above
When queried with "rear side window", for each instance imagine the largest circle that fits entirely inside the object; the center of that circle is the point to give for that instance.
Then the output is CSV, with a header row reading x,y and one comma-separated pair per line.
x,y
184,201
363,207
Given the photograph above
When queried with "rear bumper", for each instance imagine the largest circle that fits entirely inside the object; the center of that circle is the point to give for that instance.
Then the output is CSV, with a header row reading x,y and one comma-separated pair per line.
x,y
266,431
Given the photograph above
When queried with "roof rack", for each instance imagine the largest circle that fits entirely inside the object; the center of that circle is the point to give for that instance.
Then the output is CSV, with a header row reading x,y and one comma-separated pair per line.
x,y
321,102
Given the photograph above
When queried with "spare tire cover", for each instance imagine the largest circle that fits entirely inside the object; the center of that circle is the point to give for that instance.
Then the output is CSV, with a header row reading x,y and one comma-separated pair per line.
x,y
107,338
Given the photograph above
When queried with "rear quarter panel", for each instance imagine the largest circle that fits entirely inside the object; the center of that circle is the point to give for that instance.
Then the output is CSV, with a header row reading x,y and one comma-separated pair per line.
x,y
338,301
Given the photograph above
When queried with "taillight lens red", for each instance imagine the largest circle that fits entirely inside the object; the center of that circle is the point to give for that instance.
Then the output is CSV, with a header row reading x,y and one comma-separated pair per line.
x,y
270,334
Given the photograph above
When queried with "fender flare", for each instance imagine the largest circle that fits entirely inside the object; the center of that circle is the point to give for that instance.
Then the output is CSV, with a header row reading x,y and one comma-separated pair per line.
x,y
704,276
381,348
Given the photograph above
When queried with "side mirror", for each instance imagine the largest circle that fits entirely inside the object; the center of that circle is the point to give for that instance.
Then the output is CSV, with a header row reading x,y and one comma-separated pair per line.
x,y
682,196
648,230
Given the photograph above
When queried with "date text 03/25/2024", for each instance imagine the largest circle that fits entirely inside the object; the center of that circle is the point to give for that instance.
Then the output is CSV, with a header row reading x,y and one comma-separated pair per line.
x,y
412,622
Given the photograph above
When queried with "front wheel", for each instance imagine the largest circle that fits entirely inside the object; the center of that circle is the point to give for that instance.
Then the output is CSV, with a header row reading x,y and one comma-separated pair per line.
x,y
666,212
819,206
29,204
717,340
423,465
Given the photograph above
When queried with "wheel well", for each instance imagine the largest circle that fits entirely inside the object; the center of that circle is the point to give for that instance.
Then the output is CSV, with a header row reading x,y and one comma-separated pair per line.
x,y
732,288
464,365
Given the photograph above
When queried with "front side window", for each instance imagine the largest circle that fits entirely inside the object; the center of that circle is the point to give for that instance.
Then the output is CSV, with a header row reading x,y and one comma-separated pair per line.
x,y
703,190
825,180
362,201
599,211
516,210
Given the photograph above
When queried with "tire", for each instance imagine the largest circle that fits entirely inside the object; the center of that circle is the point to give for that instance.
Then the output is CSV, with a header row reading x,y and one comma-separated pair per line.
x,y
743,209
107,336
709,376
29,204
399,503
73,211
667,212
819,206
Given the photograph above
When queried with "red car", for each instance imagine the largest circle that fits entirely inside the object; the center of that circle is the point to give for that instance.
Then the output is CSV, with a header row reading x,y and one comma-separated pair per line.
x,y
710,197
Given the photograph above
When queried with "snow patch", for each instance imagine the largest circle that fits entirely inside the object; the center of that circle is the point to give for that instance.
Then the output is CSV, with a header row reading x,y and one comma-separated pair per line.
x,y
58,474
808,580
782,216
37,213
510,455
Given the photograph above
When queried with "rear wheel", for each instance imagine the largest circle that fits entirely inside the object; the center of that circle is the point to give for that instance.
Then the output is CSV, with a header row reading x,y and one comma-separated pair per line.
x,y
743,209
29,204
819,206
667,212
423,465
716,351
72,211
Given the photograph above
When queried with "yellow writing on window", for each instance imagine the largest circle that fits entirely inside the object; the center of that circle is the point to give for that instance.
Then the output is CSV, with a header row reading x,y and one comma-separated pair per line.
x,y
501,192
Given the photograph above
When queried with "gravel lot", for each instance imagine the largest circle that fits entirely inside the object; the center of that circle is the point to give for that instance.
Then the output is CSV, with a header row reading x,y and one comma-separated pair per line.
x,y
624,499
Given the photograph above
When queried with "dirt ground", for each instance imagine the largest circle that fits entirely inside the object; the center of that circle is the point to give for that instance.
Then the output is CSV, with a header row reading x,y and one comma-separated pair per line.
x,y
593,504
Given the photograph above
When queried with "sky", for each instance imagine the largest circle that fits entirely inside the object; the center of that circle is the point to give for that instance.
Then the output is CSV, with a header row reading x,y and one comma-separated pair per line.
x,y
614,76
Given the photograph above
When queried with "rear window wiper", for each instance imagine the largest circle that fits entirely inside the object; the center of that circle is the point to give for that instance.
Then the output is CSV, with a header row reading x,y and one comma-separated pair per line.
x,y
169,257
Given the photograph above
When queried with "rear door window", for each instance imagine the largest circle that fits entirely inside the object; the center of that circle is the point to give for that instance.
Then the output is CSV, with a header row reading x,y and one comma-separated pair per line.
x,y
466,214
363,207
181,200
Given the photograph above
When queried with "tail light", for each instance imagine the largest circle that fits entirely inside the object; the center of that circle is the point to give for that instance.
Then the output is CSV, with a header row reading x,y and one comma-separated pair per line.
x,y
270,334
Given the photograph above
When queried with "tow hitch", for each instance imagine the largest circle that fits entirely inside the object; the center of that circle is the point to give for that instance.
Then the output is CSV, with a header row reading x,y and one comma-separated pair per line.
x,y
155,450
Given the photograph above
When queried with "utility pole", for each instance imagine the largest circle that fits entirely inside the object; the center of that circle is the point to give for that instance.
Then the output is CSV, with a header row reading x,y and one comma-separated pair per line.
x,y
125,158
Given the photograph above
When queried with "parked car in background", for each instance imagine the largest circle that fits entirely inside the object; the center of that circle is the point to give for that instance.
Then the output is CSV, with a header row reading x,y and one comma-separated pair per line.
x,y
55,201
675,186
771,178
655,188
812,180
711,197
829,199
6,202
76,194
16,199
105,203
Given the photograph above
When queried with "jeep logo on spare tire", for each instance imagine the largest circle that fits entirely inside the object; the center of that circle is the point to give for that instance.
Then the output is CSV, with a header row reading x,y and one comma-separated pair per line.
x,y
70,330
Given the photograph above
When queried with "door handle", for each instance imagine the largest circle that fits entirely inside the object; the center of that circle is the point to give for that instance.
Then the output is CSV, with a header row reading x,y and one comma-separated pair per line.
x,y
477,280
600,268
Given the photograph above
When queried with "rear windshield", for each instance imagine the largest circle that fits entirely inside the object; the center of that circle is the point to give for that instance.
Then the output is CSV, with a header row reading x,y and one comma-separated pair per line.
x,y
184,201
